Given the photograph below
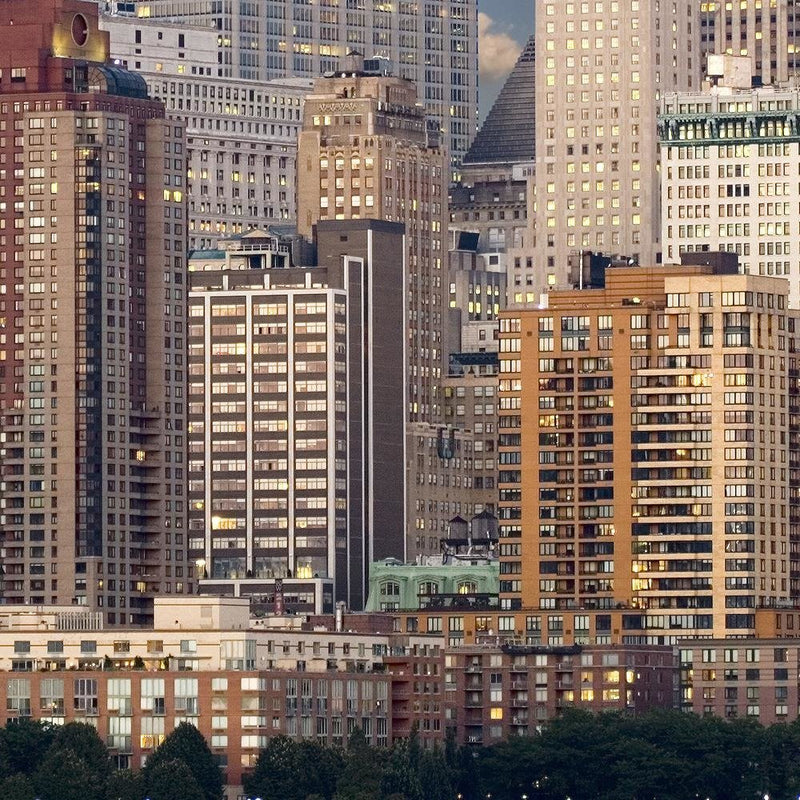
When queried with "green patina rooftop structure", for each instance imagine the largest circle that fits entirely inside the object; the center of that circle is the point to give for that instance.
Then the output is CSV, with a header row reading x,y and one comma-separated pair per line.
x,y
458,584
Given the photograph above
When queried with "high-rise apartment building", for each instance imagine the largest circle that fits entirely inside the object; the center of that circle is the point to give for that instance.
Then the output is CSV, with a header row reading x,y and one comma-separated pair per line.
x,y
92,265
241,140
601,66
365,151
768,33
728,161
296,469
433,43
644,449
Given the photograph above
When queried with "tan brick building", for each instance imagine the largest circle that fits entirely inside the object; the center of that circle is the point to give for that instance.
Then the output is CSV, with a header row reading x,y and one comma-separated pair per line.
x,y
644,449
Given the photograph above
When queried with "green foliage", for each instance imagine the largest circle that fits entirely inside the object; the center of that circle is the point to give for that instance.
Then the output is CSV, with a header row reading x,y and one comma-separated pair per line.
x,y
23,744
288,770
187,744
83,739
171,780
16,787
657,756
64,775
614,756
363,769
124,785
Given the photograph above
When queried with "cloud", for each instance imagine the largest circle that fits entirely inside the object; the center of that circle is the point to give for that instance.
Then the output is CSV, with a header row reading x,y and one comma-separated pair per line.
x,y
498,50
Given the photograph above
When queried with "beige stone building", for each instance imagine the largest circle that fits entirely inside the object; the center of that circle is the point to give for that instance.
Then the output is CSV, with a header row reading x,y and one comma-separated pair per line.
x,y
241,139
600,68
768,34
644,449
728,156
433,45
366,151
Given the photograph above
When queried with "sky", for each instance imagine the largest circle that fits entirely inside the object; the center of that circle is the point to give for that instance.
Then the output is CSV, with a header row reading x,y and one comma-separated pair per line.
x,y
503,28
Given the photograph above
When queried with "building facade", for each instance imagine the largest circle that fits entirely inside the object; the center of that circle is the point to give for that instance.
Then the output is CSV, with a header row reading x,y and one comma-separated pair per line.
x,y
293,474
365,152
494,692
751,678
241,140
93,250
600,69
644,449
727,158
433,44
202,664
768,37
471,403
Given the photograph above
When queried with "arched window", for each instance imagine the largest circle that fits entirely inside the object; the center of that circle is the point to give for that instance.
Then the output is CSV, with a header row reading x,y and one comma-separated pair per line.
x,y
390,589
467,587
427,588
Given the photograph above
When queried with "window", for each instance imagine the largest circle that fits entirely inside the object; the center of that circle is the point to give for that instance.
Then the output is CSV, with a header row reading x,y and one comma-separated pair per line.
x,y
51,697
119,696
18,698
186,696
85,696
152,698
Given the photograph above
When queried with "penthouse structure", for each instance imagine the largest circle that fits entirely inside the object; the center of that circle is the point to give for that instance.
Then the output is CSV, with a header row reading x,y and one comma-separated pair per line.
x,y
768,36
644,449
92,267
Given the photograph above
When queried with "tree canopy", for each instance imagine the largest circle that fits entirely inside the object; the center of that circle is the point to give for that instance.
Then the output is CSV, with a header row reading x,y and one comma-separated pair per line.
x,y
186,744
614,756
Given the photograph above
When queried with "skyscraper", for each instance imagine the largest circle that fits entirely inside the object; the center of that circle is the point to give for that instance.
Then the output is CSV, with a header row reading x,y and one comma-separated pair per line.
x,y
506,137
767,33
365,151
295,433
431,42
600,68
92,244
645,456
241,140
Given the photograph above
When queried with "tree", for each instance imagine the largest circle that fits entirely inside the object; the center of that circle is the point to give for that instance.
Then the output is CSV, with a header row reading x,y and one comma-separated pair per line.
x,y
401,776
435,777
16,787
64,775
124,784
23,744
172,780
276,774
84,740
323,765
187,744
361,776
